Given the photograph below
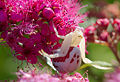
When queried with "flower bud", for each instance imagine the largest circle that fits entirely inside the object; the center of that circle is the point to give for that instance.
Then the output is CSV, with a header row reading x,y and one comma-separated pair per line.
x,y
48,13
102,23
56,7
116,25
104,36
89,32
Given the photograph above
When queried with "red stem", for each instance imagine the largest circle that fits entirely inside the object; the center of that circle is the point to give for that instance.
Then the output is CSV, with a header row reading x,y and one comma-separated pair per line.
x,y
114,50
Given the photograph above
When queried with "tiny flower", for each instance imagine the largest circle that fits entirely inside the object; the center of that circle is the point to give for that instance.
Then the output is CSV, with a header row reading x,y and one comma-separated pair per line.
x,y
114,76
104,36
48,13
14,17
3,16
46,77
89,33
102,24
116,25
56,7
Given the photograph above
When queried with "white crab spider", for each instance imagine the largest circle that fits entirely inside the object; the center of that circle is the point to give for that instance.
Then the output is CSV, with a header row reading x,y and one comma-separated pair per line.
x,y
68,57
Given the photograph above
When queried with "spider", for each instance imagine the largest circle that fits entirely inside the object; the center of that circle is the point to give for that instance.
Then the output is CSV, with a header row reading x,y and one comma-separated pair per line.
x,y
68,58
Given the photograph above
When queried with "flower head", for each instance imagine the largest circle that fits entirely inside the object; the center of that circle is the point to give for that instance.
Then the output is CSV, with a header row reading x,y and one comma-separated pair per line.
x,y
89,33
102,23
31,25
42,77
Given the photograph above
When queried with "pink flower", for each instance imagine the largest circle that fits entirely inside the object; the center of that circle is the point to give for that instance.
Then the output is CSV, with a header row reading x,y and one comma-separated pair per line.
x,y
3,16
14,17
89,33
104,36
48,13
113,76
45,77
116,25
102,23
31,25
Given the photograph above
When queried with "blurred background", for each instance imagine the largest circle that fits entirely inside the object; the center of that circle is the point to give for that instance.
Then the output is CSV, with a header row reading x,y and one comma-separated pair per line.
x,y
95,9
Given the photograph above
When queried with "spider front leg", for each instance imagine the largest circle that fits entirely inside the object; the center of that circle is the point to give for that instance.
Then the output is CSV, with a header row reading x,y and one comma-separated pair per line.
x,y
56,32
62,51
65,45
49,55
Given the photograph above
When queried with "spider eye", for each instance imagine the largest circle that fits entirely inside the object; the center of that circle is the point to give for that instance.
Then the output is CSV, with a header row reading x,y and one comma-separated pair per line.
x,y
80,36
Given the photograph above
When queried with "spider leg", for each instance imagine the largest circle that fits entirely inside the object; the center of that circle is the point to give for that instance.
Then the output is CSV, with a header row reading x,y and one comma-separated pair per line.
x,y
49,62
86,60
56,51
82,49
62,37
50,55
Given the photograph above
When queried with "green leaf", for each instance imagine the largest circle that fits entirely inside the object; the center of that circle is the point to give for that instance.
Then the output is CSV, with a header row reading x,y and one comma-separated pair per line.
x,y
88,22
26,36
7,64
18,23
99,52
100,64
45,22
60,41
46,62
84,66
110,1
102,53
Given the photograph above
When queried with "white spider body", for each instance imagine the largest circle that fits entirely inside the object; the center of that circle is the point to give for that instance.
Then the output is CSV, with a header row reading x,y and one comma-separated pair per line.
x,y
68,57
70,62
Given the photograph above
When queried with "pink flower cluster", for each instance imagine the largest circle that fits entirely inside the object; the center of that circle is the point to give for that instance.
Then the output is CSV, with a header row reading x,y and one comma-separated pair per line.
x,y
114,76
45,77
105,32
99,30
27,25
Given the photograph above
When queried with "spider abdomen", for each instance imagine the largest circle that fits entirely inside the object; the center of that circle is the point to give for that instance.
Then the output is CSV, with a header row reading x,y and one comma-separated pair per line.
x,y
70,62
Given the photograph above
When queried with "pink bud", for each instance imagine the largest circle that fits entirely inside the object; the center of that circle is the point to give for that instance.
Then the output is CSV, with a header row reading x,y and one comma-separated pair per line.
x,y
104,36
116,21
102,23
56,7
89,33
86,80
48,13
116,25
90,30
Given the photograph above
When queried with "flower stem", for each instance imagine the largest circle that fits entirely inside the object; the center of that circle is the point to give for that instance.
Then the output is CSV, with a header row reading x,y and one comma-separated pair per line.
x,y
114,50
